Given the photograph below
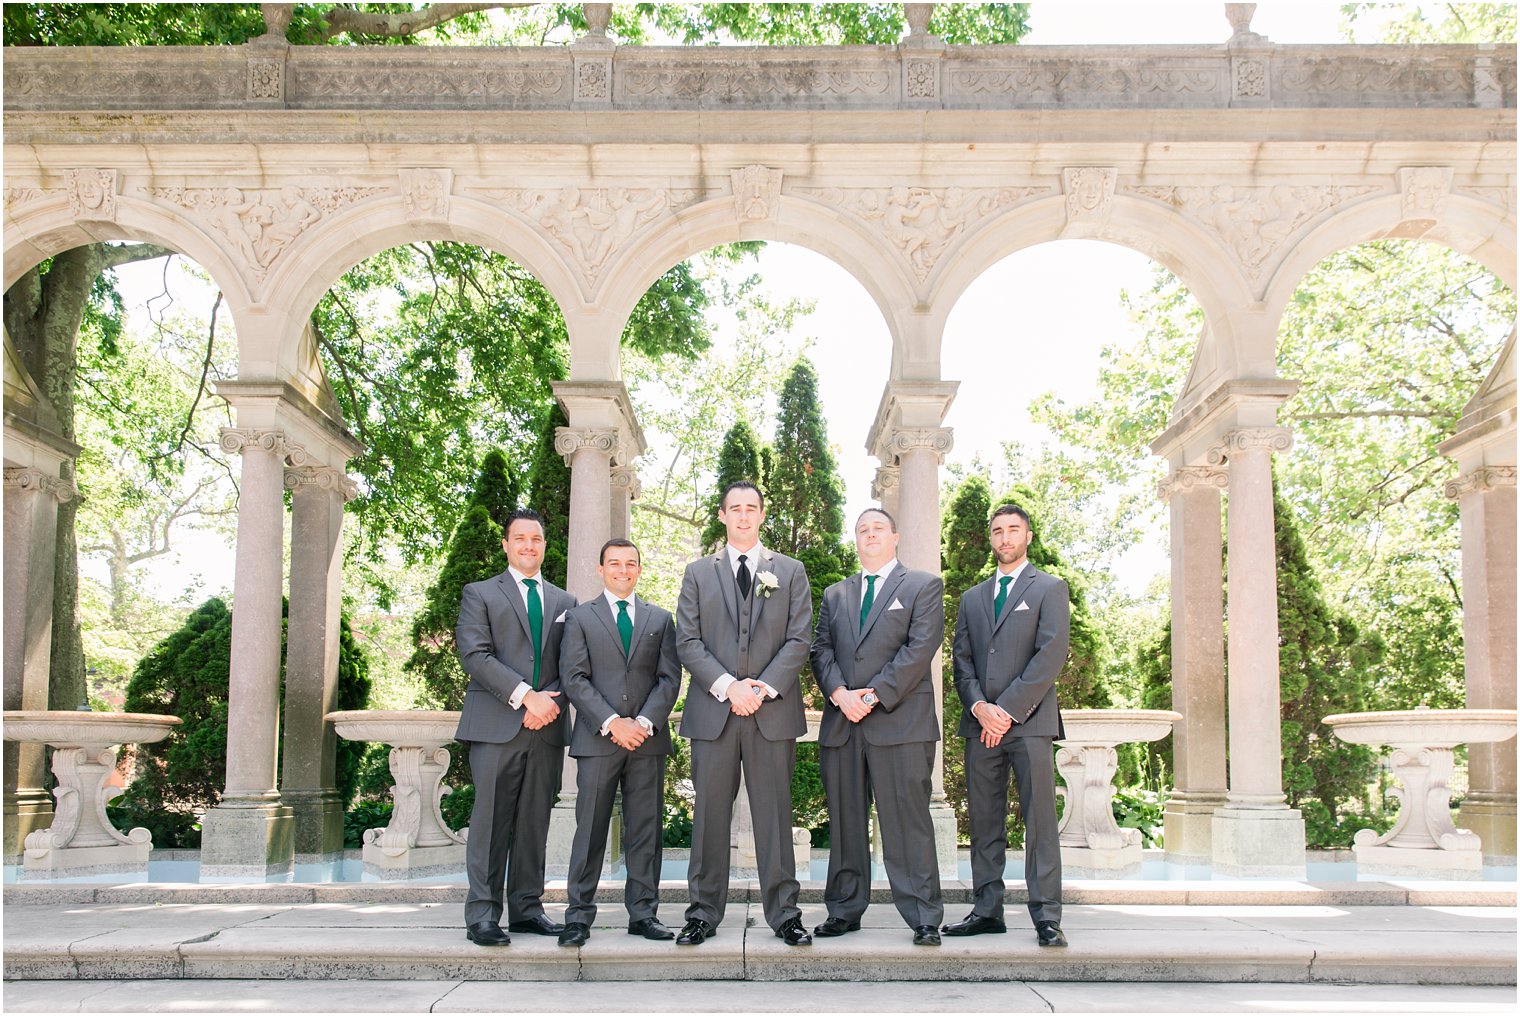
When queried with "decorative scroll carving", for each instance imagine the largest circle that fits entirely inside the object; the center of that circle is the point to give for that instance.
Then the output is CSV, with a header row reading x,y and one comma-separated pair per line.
x,y
329,478
426,193
1089,192
923,222
886,481
236,440
262,224
1068,80
1422,189
1482,480
1253,222
417,817
569,440
749,81
80,819
937,439
626,479
467,85
1188,478
588,224
24,195
266,79
757,192
1272,439
1433,80
92,193
27,478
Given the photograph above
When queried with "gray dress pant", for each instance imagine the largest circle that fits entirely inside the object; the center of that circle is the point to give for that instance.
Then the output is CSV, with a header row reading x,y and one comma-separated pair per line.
x,y
598,779
515,784
987,799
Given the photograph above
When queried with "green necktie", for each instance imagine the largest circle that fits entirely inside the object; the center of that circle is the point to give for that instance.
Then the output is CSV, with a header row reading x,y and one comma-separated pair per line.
x,y
865,606
535,624
1002,596
625,625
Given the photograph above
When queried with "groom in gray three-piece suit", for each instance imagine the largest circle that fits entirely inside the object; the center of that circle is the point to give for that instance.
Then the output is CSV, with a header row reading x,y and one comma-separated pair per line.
x,y
619,667
742,626
1011,639
873,657
515,730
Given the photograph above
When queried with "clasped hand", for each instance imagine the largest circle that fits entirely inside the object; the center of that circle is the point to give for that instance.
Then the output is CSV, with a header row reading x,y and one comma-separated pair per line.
x,y
627,733
745,697
995,722
849,702
539,709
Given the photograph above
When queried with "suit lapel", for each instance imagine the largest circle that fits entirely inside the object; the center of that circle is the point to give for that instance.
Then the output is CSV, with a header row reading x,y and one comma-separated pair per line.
x,y
852,599
726,584
603,610
514,598
756,597
641,613
1015,590
883,599
545,588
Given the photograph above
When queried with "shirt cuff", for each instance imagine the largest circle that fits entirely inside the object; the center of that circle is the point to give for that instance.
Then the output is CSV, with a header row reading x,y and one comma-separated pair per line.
x,y
719,687
518,694
607,725
646,723
769,691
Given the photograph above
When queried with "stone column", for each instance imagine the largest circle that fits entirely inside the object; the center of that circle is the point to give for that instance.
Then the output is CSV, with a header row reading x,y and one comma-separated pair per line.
x,y
1198,685
248,835
1487,499
308,784
625,490
1255,833
885,489
920,451
31,530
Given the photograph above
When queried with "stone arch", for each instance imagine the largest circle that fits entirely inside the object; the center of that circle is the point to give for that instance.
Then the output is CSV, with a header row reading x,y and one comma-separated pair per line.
x,y
343,240
811,224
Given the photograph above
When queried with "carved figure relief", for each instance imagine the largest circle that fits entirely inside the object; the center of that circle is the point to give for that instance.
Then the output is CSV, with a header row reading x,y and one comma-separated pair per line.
x,y
1089,192
1422,189
425,193
923,222
1253,221
589,224
92,193
261,224
757,192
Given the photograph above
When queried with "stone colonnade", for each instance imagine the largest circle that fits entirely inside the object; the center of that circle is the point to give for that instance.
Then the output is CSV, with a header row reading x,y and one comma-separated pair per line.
x,y
915,169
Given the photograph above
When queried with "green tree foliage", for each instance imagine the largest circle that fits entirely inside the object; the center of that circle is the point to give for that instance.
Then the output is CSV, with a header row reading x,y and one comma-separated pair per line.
x,y
836,24
1406,23
965,559
738,460
498,488
186,675
549,481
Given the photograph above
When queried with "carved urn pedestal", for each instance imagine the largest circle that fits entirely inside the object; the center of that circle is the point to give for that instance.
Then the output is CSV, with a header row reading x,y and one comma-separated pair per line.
x,y
82,842
1092,844
417,844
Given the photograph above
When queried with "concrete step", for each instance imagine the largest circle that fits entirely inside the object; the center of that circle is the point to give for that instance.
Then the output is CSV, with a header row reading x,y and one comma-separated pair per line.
x,y
424,941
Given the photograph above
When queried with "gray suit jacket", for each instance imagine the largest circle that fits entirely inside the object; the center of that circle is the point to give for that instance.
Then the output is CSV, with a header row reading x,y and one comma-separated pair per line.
x,y
769,643
602,682
1014,661
496,651
893,653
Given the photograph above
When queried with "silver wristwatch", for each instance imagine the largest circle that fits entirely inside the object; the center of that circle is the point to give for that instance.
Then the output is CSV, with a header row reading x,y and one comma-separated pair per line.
x,y
869,698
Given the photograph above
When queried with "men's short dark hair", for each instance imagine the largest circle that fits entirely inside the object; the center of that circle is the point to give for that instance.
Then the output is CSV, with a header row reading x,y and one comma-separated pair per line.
x,y
740,485
879,511
519,514
1011,509
618,541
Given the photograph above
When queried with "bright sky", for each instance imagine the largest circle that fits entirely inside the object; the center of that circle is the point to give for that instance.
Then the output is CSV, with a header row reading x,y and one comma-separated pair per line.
x,y
1054,306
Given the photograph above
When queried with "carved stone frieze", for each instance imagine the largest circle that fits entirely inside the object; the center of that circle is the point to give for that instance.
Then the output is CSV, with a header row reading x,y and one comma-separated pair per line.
x,y
588,224
1482,480
27,478
1071,79
745,80
757,193
1254,222
15,197
569,440
1184,479
425,193
1089,192
92,193
328,478
462,84
923,222
237,440
1248,439
1422,189
261,224
1504,197
1450,79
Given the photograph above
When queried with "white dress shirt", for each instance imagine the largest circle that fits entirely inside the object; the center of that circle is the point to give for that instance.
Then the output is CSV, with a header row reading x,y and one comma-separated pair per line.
x,y
752,557
612,601
881,575
521,691
997,579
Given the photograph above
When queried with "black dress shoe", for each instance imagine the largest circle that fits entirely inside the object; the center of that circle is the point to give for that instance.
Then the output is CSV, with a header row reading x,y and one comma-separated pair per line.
x,y
575,933
540,925
974,925
696,932
835,926
486,933
793,933
926,934
1049,933
652,929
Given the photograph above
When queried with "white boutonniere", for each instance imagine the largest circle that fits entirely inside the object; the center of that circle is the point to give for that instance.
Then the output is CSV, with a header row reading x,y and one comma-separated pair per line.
x,y
767,582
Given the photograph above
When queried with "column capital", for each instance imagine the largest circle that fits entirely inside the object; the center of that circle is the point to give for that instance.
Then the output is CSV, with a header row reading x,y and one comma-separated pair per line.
x,y
624,478
30,478
569,440
887,480
1185,479
937,439
236,440
329,478
1246,439
1482,480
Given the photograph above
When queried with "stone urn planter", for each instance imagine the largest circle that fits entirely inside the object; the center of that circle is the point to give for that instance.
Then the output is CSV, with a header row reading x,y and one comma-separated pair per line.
x,y
82,842
1424,842
417,843
1092,843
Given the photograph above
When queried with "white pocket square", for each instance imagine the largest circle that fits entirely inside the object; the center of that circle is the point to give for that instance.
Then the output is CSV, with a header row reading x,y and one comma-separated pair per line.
x,y
896,605
561,617
1022,606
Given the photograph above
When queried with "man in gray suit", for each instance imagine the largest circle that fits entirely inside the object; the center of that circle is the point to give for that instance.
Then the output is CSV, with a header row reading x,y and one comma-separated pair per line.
x,y
1011,637
619,668
873,653
742,626
508,636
